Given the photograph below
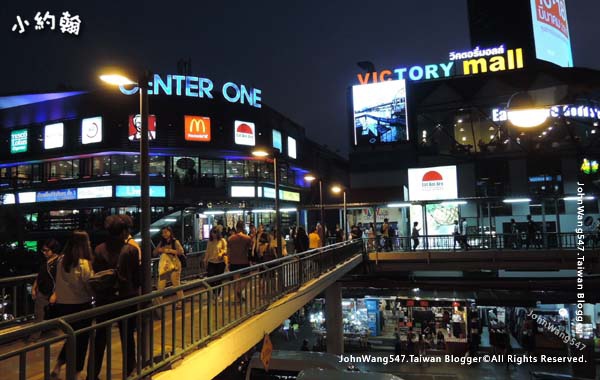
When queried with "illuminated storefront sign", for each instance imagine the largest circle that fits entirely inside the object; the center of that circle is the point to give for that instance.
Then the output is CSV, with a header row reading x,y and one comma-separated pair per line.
x,y
197,128
135,127
243,191
56,195
551,32
196,87
245,133
589,166
134,191
291,143
428,184
54,135
94,192
269,192
476,61
18,141
277,141
573,111
91,130
27,197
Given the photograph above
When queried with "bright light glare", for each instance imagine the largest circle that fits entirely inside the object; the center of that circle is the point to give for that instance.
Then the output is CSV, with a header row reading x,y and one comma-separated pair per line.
x,y
336,189
214,212
528,118
116,79
309,177
260,153
393,205
517,200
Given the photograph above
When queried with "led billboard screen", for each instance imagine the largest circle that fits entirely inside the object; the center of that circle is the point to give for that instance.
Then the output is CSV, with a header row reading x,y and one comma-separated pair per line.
x,y
430,184
551,32
380,112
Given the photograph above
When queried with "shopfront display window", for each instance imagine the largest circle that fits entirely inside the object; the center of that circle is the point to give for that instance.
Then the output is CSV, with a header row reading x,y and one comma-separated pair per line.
x,y
185,170
235,169
61,170
212,168
157,166
101,166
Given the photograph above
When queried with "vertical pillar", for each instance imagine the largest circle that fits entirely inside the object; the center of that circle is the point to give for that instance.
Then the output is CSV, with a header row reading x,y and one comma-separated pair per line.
x,y
333,321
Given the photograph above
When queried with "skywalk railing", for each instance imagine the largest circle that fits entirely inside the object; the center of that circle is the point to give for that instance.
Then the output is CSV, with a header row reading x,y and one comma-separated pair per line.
x,y
166,332
549,240
16,304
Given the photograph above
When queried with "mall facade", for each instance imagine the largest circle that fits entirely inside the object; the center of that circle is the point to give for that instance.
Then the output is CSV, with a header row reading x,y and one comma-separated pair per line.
x,y
70,158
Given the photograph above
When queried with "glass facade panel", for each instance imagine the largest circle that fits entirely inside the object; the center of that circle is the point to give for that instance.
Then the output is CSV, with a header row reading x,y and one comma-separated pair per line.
x,y
157,166
185,170
235,169
58,170
101,166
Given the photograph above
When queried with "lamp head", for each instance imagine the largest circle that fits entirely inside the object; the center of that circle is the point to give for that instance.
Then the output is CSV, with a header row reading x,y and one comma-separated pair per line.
x,y
523,112
309,178
336,189
261,152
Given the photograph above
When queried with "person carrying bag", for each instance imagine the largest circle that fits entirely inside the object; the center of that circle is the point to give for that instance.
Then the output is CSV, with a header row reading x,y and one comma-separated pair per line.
x,y
169,264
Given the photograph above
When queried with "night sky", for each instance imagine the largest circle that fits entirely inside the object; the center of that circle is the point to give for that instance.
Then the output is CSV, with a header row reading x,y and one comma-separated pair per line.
x,y
301,54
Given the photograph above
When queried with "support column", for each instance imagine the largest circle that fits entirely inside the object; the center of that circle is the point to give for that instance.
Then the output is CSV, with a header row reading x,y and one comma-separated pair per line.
x,y
333,321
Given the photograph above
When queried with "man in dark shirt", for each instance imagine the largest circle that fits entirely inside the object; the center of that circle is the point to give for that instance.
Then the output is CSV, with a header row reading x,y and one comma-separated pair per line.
x,y
238,246
43,286
117,253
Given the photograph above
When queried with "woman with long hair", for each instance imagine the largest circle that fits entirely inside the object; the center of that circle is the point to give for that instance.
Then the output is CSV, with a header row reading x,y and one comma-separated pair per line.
x,y
169,265
72,293
214,258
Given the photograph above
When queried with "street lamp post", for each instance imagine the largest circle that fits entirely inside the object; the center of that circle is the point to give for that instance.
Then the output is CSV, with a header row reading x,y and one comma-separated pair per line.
x,y
310,178
338,189
145,219
262,152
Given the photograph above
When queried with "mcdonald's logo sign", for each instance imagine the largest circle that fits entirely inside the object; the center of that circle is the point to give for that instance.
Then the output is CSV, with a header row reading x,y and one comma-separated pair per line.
x,y
197,128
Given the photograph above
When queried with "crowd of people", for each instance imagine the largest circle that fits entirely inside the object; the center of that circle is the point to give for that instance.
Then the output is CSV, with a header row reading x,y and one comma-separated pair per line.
x,y
76,277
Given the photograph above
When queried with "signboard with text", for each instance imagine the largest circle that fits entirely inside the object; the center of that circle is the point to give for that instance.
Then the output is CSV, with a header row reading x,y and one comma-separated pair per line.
x,y
197,128
18,141
551,32
430,184
91,130
135,127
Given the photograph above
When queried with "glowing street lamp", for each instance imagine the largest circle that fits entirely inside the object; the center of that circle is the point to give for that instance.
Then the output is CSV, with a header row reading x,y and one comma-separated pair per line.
x,y
336,189
262,152
117,79
311,178
522,111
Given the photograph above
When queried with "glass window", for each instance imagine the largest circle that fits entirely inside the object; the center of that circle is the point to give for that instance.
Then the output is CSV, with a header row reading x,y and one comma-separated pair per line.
x,y
23,174
549,207
185,170
265,171
235,169
101,166
157,166
36,173
212,168
125,165
58,170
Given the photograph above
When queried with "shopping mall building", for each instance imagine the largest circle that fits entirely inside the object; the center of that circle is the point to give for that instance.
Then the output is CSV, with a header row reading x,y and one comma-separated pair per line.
x,y
73,158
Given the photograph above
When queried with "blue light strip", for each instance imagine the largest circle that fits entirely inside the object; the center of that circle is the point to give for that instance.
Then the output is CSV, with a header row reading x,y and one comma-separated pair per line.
x,y
23,100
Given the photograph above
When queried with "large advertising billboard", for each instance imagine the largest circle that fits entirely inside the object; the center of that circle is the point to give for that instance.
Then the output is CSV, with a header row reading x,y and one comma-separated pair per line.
x,y
431,184
380,112
551,32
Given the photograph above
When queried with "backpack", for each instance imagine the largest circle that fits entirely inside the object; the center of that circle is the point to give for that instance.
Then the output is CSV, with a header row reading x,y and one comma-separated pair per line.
x,y
105,282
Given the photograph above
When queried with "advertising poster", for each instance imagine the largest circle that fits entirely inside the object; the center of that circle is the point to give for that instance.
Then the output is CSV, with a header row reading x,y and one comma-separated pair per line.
x,y
551,32
380,112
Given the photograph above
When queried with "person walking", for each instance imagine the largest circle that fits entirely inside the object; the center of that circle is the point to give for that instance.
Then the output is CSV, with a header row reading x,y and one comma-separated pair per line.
x,y
456,234
169,265
515,239
314,239
339,234
214,258
463,233
44,283
116,254
301,240
415,235
72,295
385,232
238,246
531,231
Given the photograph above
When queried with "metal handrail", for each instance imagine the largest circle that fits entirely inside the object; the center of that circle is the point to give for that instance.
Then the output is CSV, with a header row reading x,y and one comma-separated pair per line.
x,y
210,307
20,305
505,241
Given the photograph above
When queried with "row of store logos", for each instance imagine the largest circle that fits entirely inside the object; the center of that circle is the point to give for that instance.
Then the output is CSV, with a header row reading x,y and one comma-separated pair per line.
x,y
93,192
196,128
